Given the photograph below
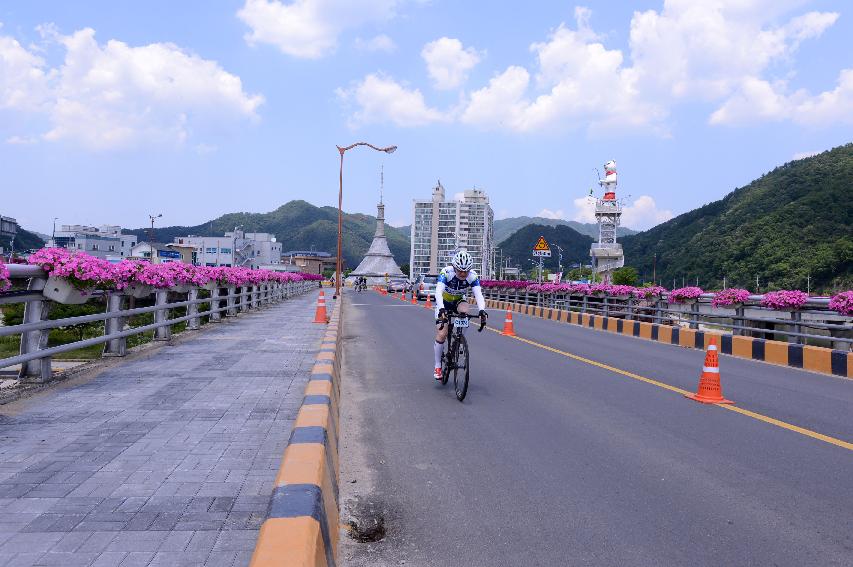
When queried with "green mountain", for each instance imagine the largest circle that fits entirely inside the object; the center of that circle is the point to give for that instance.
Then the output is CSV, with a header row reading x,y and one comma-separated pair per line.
x,y
519,246
298,225
793,223
26,240
504,228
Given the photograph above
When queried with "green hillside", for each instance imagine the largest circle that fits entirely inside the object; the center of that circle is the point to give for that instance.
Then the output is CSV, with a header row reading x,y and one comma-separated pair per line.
x,y
793,222
504,228
26,240
519,246
298,225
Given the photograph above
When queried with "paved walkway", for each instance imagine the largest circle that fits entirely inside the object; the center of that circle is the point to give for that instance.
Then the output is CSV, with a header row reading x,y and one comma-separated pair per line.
x,y
168,459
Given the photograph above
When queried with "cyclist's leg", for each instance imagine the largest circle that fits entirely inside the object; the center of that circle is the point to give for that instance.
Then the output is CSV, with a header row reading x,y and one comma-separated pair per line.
x,y
441,336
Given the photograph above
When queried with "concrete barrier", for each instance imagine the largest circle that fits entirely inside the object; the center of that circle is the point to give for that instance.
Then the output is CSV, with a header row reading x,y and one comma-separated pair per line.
x,y
815,359
301,528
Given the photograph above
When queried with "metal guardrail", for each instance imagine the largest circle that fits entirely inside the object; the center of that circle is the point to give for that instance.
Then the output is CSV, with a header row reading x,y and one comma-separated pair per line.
x,y
35,355
814,324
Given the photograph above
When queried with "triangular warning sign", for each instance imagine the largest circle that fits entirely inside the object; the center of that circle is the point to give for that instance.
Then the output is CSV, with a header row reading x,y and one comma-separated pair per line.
x,y
541,245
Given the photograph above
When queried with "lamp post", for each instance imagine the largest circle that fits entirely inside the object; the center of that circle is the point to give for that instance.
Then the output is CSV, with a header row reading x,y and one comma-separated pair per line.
x,y
53,234
388,150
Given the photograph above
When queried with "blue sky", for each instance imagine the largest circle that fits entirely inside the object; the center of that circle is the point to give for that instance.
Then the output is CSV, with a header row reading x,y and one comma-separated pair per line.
x,y
111,110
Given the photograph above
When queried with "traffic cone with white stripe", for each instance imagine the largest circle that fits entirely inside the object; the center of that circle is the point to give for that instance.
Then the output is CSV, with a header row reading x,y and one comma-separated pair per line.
x,y
709,391
508,331
320,315
428,304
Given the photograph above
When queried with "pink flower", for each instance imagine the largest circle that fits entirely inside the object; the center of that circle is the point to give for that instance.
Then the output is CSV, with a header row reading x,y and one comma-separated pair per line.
x,y
684,294
649,292
785,299
5,279
729,296
842,302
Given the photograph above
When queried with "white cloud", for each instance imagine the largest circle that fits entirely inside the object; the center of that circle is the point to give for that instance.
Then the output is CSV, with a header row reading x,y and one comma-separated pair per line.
x,y
584,209
114,95
584,83
21,140
378,43
758,100
309,28
643,213
448,62
714,50
549,214
383,100
23,79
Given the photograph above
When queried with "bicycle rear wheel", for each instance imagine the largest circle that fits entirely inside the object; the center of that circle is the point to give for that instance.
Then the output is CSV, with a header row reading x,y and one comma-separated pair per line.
x,y
461,368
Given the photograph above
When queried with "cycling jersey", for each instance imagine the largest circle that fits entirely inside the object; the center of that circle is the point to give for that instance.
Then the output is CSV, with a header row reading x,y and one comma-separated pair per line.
x,y
454,288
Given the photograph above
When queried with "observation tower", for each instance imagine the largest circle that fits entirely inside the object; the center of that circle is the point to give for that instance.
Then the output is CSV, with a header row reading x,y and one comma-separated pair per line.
x,y
607,253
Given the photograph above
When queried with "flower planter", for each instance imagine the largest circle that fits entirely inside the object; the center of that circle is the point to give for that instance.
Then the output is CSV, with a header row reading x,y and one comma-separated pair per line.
x,y
210,286
182,288
60,290
139,291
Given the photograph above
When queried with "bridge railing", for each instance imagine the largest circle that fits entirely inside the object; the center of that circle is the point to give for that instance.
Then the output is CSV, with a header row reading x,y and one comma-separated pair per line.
x,y
815,323
35,354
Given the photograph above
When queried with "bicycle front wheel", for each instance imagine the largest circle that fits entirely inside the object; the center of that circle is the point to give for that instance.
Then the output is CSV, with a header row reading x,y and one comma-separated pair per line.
x,y
461,368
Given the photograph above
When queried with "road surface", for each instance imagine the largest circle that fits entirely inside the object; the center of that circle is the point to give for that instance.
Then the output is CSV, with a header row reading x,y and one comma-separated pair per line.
x,y
557,457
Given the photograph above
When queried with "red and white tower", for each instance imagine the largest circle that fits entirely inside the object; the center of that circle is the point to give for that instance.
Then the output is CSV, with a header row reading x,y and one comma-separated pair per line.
x,y
607,253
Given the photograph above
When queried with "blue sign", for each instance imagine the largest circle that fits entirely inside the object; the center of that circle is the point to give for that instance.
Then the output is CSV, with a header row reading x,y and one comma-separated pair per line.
x,y
169,254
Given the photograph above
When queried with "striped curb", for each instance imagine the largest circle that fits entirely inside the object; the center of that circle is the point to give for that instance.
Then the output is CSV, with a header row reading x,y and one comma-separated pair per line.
x,y
301,528
815,359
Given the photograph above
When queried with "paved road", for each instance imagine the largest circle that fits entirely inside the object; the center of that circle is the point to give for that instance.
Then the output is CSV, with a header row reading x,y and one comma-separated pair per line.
x,y
554,461
166,459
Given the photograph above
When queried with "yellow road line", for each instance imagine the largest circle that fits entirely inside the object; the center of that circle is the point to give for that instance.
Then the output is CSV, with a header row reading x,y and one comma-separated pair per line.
x,y
752,414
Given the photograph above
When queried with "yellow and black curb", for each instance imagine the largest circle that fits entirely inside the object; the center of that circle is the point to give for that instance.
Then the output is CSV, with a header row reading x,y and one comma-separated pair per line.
x,y
815,359
301,528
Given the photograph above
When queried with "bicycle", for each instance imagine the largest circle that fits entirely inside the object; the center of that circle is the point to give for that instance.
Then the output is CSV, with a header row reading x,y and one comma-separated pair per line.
x,y
457,356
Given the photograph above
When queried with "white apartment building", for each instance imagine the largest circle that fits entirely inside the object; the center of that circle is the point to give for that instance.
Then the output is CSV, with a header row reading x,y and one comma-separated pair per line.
x,y
105,241
440,228
236,248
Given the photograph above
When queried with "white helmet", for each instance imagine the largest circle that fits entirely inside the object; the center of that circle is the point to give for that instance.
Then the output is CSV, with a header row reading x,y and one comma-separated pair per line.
x,y
462,261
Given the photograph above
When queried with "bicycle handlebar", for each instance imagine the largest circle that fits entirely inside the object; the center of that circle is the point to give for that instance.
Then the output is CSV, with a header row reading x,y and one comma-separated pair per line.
x,y
446,320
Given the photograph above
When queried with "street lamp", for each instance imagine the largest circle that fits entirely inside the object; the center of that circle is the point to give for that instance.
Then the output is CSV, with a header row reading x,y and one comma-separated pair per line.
x,y
53,234
388,150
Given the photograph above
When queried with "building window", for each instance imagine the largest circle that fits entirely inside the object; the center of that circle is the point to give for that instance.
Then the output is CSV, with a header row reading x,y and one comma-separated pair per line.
x,y
225,250
211,264
112,248
94,246
210,250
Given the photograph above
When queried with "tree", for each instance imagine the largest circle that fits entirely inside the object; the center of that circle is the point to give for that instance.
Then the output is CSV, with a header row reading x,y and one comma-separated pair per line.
x,y
405,269
625,276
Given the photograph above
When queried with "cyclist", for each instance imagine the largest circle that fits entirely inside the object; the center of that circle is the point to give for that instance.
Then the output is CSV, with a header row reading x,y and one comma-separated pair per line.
x,y
454,282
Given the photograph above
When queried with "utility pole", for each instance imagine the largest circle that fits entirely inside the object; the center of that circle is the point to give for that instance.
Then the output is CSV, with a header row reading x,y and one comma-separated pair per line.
x,y
808,284
756,284
151,235
655,268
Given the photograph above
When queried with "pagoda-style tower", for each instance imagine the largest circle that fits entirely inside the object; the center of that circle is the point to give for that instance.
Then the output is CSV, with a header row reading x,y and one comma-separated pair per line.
x,y
607,253
378,262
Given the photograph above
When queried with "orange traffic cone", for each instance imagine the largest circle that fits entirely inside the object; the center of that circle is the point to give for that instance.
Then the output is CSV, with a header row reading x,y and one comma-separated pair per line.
x,y
709,391
508,329
403,295
414,297
428,304
320,315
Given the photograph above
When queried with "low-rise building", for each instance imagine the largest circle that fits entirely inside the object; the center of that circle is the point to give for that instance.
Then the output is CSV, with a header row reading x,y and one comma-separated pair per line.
x,y
237,248
310,262
105,241
163,253
8,231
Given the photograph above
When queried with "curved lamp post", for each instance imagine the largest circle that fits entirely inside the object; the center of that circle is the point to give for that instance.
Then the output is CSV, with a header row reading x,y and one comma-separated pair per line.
x,y
388,150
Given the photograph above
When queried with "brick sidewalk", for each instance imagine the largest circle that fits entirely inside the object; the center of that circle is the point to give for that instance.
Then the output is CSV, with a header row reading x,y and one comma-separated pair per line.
x,y
168,459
